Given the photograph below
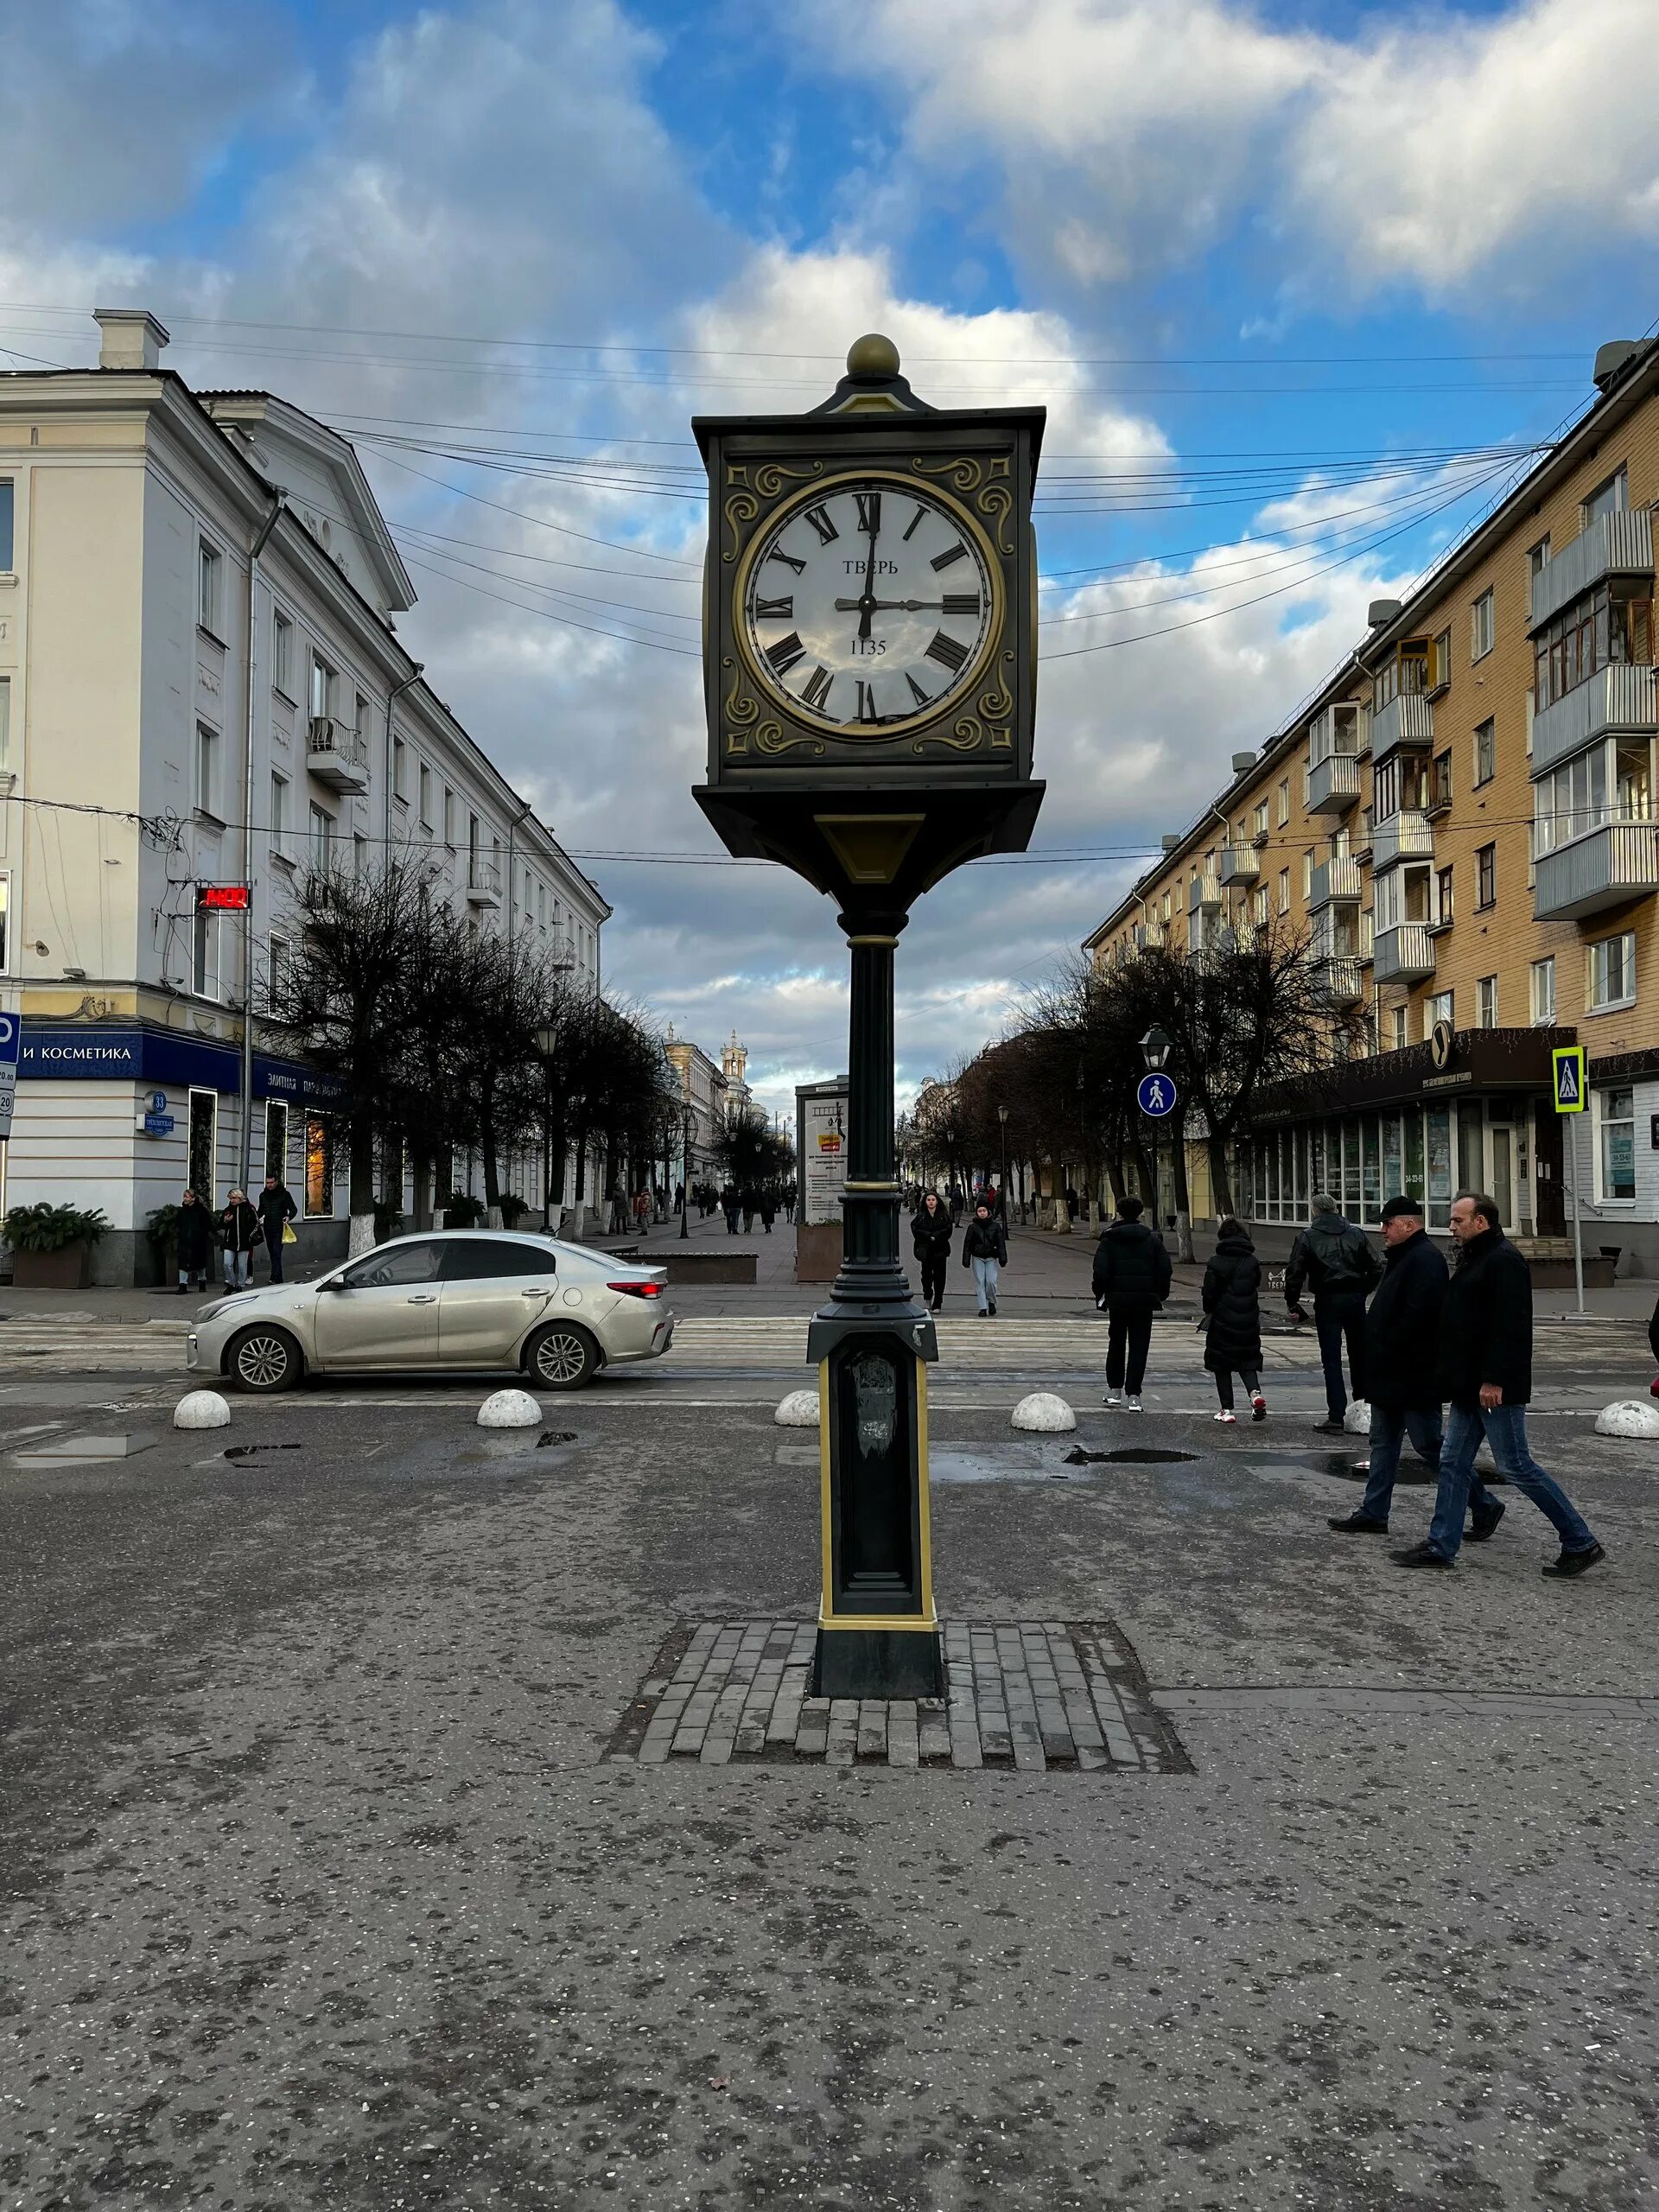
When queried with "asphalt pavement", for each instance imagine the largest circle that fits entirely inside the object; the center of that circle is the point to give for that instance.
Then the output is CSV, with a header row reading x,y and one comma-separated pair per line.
x,y
324,1886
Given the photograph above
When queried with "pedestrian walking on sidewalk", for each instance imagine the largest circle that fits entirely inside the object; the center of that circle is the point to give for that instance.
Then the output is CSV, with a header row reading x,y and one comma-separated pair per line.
x,y
239,1232
1403,1357
1132,1278
1486,1373
1232,1305
931,1233
985,1249
1336,1259
275,1209
193,1237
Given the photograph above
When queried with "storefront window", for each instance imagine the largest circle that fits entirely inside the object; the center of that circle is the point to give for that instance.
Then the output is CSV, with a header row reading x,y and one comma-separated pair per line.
x,y
1616,1150
203,1146
1472,1164
277,1138
1349,1195
1392,1182
1371,1200
1439,1168
319,1166
1413,1130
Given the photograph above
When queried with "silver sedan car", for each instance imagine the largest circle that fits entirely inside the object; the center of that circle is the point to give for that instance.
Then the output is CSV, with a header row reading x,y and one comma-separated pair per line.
x,y
463,1299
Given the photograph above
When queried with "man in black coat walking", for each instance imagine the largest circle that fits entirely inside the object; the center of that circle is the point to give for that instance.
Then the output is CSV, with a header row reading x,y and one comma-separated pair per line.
x,y
1402,1352
275,1209
1334,1256
1131,1277
1485,1367
931,1232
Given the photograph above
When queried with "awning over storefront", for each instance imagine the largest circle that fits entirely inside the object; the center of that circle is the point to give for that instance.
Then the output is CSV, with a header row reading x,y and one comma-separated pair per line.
x,y
137,1053
1481,1060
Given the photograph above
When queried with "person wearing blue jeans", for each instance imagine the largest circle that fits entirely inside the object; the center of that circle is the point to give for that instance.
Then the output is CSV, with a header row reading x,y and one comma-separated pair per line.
x,y
1402,1342
1486,1371
985,1248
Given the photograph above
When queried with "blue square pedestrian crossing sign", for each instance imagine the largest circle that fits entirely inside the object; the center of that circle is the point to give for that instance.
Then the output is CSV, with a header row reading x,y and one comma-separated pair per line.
x,y
1566,1064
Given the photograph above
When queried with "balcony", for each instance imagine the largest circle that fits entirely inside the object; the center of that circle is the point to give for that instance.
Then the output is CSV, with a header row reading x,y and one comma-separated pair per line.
x,y
1405,955
483,883
337,755
1240,864
1617,701
1613,545
1340,979
1405,725
1403,836
1607,867
1333,784
1204,896
1147,936
1336,883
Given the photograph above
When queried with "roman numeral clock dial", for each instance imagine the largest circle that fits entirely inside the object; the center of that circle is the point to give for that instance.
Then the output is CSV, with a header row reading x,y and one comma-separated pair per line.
x,y
846,612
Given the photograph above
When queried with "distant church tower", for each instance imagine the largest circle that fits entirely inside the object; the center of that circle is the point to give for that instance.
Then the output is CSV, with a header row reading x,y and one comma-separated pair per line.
x,y
734,1060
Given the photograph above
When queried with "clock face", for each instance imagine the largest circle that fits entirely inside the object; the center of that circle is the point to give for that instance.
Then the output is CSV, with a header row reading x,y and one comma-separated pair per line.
x,y
868,606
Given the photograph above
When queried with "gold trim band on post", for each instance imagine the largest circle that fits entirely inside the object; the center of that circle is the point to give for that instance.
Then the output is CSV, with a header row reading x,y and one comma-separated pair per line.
x,y
901,1624
873,940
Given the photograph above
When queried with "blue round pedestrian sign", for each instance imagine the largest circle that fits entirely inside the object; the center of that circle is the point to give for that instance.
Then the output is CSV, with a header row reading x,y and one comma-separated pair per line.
x,y
1155,1095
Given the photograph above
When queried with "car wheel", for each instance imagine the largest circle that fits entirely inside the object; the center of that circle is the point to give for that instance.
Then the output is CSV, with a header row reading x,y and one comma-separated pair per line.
x,y
560,1357
263,1360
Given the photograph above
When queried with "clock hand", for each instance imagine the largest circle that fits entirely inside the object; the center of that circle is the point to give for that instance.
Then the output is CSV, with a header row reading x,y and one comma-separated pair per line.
x,y
901,605
868,602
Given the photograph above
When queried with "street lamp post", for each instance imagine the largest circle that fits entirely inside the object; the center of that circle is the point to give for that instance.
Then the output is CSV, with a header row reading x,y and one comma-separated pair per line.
x,y
1002,1117
687,1130
1155,1051
547,1044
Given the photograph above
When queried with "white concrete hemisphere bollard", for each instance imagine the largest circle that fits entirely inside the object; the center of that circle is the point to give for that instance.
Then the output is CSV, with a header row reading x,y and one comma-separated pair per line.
x,y
1044,1412
1357,1419
201,1409
799,1410
1627,1417
510,1409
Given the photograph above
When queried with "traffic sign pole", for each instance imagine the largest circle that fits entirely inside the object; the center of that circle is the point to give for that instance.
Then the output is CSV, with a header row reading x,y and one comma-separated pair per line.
x,y
1567,1064
1578,1225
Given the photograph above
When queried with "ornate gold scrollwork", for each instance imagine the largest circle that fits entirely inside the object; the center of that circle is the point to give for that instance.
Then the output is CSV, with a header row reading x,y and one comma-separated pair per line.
x,y
771,476
996,502
739,507
770,738
965,473
967,736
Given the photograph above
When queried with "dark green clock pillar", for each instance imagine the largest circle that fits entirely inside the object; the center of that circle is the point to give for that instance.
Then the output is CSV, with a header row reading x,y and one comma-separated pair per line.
x,y
869,662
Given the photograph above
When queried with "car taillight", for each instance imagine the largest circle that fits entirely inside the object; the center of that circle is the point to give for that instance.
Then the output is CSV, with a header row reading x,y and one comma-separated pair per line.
x,y
637,1289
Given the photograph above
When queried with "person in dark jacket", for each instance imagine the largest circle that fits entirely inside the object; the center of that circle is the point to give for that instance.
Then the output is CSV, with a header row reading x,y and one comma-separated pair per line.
x,y
1232,1303
1485,1370
194,1239
275,1209
1131,1277
1335,1258
1402,1352
931,1232
238,1233
985,1249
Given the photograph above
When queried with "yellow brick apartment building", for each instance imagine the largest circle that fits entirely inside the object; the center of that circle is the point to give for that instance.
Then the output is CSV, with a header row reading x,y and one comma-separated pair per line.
x,y
1462,824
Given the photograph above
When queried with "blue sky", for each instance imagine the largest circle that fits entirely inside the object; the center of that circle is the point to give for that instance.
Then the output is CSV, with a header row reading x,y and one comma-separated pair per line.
x,y
1283,276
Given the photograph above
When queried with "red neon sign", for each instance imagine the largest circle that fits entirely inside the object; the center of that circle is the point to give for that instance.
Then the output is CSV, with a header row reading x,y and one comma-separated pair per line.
x,y
222,898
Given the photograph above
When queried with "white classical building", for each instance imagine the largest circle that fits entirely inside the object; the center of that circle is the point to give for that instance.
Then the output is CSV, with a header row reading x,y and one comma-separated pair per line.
x,y
200,682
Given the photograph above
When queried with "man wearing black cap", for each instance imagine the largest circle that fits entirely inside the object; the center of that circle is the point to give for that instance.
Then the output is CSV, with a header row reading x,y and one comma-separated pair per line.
x,y
1402,1354
1336,1258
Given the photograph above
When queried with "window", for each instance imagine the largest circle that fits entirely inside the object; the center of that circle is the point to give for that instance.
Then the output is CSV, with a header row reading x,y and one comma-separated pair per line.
x,y
5,924
204,964
1615,1144
282,654
278,975
361,719
451,818
475,1259
403,1263
1486,876
210,567
1259,819
1570,801
207,769
277,1138
322,839
323,681
1405,673
1480,626
1440,780
1486,753
1543,992
424,786
1397,1023
1609,499
400,771
1486,1002
5,526
1437,1007
1284,890
1613,972
319,1165
278,824
1445,901
5,722
1441,662
1307,873
1538,555
360,855
1402,786
1163,907
1260,906
1614,622
1284,802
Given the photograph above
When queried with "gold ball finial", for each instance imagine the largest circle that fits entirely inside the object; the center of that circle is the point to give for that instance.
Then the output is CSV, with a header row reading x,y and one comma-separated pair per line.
x,y
873,355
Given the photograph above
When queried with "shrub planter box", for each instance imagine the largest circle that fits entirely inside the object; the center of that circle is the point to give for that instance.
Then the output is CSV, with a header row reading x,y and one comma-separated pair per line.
x,y
707,1267
68,1269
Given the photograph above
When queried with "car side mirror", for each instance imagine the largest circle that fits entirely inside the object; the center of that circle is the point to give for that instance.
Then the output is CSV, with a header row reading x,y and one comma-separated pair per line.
x,y
335,1282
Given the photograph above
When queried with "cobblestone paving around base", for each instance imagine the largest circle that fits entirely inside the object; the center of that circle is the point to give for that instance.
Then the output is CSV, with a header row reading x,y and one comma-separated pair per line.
x,y
1036,1696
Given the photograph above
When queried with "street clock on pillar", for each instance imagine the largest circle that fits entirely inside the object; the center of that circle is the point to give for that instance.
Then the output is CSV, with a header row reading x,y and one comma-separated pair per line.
x,y
869,669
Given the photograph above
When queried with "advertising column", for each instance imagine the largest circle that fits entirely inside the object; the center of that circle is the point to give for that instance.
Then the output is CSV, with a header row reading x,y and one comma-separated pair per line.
x,y
821,1149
